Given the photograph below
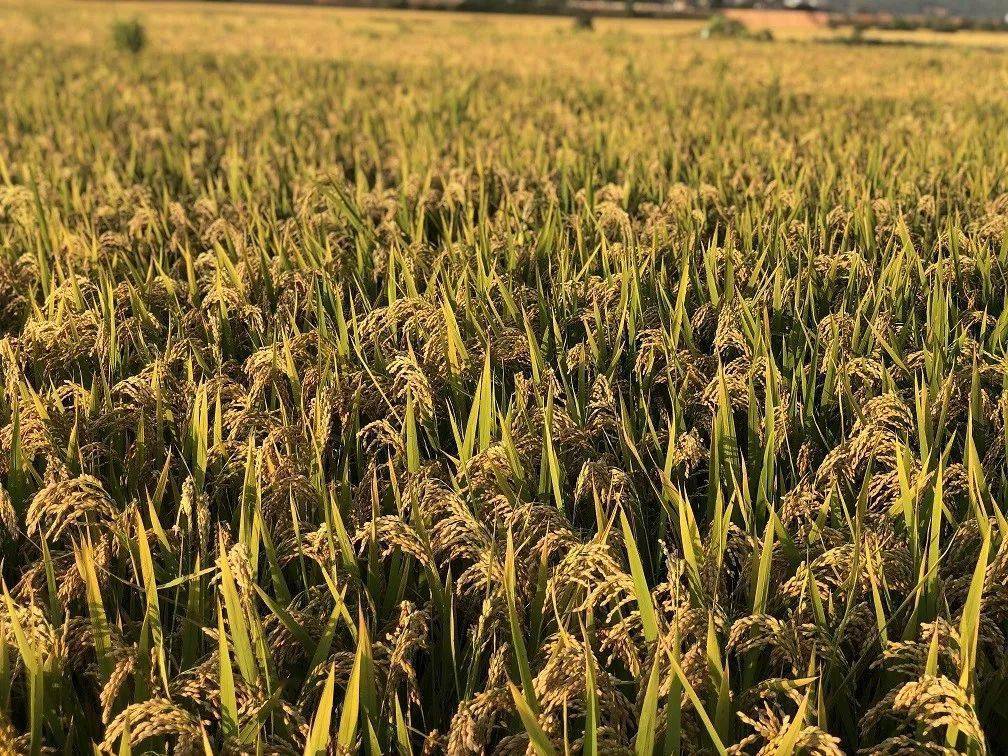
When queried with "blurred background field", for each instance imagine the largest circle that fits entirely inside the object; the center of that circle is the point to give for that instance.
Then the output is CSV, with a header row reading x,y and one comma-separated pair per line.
x,y
519,44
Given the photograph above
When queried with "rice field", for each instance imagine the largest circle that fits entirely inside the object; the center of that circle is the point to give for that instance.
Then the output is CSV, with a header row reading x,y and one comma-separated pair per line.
x,y
409,383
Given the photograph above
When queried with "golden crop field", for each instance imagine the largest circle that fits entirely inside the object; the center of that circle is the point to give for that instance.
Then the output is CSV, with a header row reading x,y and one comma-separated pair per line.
x,y
418,383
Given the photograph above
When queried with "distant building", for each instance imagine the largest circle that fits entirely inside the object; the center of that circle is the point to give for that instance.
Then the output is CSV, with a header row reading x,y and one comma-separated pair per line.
x,y
990,10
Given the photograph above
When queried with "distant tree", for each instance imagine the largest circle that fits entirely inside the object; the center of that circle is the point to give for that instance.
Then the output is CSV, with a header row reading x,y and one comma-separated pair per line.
x,y
129,36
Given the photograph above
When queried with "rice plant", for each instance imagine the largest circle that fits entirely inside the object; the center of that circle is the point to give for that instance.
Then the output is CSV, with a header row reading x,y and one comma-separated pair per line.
x,y
630,394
